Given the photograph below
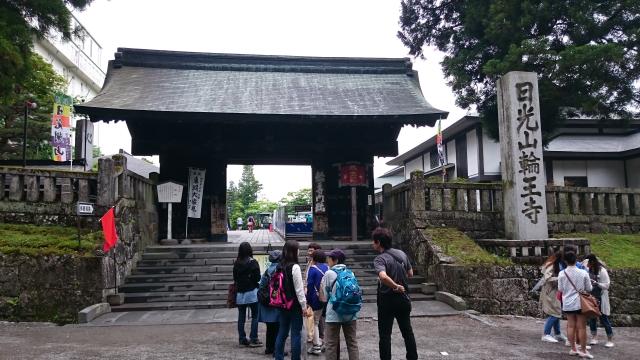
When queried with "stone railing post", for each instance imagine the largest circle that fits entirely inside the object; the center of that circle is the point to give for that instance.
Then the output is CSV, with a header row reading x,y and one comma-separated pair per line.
x,y
106,182
416,192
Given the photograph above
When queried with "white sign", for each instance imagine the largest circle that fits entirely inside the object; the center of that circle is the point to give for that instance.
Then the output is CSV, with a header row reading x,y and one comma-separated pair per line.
x,y
84,208
169,192
196,187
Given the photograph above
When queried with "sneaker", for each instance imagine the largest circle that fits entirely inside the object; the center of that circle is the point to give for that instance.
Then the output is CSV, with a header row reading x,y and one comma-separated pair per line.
x,y
562,337
549,338
585,355
608,344
244,342
593,341
573,353
315,350
255,343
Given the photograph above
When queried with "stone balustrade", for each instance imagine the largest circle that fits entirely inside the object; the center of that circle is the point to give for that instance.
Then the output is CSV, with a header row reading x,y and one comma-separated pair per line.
x,y
532,251
593,201
33,186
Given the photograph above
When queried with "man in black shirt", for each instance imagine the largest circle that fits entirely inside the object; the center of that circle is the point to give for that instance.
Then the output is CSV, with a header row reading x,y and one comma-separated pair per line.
x,y
394,269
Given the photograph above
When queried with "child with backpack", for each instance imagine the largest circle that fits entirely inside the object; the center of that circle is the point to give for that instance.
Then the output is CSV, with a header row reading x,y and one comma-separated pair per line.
x,y
316,271
268,314
340,288
287,293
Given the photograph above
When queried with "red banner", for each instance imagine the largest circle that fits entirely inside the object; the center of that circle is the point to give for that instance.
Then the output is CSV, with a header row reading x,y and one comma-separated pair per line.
x,y
353,175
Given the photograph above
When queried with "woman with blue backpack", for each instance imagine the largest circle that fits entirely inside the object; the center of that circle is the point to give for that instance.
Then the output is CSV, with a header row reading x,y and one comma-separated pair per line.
x,y
287,293
267,314
339,287
317,269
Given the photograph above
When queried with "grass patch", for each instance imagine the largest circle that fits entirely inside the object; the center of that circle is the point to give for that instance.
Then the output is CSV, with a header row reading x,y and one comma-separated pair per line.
x,y
455,243
46,240
618,251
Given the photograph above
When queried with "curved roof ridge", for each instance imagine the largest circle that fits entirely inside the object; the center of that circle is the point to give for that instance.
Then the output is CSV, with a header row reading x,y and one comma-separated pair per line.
x,y
260,63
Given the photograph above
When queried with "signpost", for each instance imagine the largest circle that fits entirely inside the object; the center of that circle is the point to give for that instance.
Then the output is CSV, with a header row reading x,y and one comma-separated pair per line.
x,y
83,209
353,175
169,193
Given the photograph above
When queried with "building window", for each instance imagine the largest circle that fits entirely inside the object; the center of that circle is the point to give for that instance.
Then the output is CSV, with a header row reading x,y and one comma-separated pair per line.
x,y
434,159
577,181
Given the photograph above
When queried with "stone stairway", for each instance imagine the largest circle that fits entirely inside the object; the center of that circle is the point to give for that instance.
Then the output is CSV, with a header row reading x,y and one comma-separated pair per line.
x,y
197,276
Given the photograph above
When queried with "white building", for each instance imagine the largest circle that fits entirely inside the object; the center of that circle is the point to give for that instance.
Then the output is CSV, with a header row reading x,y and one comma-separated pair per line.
x,y
583,152
79,61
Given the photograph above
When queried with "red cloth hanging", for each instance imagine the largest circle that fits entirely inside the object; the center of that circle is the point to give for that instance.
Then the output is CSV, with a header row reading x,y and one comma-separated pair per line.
x,y
109,229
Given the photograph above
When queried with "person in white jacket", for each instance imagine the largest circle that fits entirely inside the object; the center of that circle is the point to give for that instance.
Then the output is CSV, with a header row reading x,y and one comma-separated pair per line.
x,y
291,319
601,283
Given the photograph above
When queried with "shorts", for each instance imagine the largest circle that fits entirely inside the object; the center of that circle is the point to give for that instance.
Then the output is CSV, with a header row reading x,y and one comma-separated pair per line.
x,y
576,312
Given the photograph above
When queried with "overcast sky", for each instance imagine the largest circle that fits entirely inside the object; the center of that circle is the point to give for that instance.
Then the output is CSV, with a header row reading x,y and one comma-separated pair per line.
x,y
343,28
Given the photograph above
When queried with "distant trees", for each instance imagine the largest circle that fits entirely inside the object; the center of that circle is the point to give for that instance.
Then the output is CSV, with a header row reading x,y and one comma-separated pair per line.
x,y
243,198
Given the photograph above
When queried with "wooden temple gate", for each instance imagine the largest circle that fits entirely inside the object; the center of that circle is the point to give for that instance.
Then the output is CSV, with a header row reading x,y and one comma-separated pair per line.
x,y
209,110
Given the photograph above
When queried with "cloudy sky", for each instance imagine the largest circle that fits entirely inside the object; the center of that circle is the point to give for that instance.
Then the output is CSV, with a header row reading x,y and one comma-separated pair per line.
x,y
343,28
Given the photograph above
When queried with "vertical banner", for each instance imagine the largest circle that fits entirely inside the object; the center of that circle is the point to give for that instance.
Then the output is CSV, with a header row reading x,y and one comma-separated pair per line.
x,y
61,127
196,187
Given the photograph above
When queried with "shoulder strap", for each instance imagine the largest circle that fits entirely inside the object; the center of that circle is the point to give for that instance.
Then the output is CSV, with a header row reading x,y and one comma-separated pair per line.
x,y
317,268
568,278
395,258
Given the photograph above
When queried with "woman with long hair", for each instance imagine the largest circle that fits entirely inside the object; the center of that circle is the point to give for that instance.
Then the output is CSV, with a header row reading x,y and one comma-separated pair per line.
x,y
601,283
291,319
246,275
571,282
548,299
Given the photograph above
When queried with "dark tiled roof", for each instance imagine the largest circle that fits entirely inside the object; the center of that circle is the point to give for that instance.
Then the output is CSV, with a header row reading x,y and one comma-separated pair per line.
x,y
198,83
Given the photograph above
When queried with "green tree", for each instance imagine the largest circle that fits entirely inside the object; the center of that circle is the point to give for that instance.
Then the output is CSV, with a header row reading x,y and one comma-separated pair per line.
x,y
300,197
248,187
586,52
20,21
41,84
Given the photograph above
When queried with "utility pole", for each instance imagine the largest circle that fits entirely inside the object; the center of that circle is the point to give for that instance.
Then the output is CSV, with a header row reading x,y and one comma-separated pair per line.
x,y
27,105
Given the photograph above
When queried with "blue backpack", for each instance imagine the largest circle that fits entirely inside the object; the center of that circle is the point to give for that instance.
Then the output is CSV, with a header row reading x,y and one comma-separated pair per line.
x,y
347,299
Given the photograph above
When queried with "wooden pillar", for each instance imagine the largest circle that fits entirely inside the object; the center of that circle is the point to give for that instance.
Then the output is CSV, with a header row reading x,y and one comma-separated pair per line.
x,y
217,194
319,198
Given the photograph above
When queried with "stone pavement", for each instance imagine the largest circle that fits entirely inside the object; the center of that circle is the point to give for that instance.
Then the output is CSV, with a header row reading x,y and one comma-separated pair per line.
x,y
258,236
209,316
460,337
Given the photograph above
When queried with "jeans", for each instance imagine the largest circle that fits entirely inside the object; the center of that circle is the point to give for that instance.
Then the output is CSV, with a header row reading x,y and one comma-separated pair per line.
x,y
332,339
604,320
290,320
272,333
242,315
552,322
395,306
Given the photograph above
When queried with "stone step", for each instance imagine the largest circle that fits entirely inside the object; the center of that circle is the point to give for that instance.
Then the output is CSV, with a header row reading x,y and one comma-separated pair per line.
x,y
367,255
143,268
347,247
217,304
197,292
355,263
188,283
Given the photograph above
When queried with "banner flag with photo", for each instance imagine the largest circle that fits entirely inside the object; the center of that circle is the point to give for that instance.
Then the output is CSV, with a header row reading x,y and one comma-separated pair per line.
x,y
61,127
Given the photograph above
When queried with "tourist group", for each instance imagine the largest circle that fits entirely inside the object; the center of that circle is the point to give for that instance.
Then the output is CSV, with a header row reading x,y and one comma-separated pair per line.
x,y
325,298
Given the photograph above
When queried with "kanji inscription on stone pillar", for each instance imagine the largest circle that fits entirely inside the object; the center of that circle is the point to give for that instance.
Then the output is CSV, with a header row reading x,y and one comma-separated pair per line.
x,y
525,208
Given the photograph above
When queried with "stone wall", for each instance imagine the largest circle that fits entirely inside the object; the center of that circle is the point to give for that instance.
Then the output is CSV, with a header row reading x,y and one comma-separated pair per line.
x,y
48,288
55,288
624,295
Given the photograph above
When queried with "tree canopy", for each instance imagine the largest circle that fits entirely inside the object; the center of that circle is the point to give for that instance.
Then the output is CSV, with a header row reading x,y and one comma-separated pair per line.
x,y
41,84
20,20
586,52
300,197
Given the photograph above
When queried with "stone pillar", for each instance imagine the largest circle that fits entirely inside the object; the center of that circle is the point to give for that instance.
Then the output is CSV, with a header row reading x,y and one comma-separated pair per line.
x,y
416,195
217,191
106,183
525,209
319,189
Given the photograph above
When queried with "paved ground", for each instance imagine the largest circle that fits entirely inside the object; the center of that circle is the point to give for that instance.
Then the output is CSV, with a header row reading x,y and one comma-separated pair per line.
x,y
209,316
461,337
258,236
